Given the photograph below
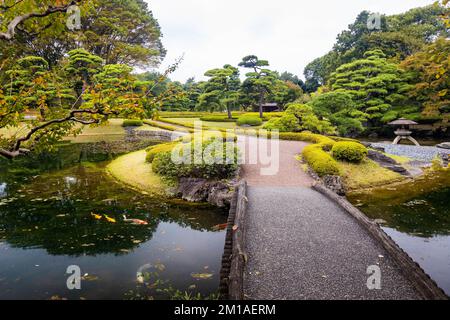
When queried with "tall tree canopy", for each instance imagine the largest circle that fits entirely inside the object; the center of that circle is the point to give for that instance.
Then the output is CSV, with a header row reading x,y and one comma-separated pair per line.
x,y
260,81
400,36
376,85
429,71
119,31
222,88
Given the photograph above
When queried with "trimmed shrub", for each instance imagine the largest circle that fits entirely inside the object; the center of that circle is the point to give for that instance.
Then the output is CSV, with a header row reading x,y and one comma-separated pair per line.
x,y
154,150
167,127
349,151
218,119
250,121
320,161
132,123
215,159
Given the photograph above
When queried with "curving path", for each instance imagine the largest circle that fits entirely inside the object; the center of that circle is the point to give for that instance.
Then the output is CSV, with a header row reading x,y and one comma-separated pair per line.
x,y
301,245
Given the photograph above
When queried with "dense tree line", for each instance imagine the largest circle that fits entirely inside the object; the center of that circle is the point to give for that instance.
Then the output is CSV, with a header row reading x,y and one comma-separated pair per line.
x,y
53,78
372,77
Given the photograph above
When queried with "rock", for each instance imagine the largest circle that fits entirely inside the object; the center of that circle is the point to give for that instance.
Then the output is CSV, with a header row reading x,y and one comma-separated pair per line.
x,y
335,184
193,189
216,193
377,147
387,162
398,169
444,145
379,157
220,194
373,135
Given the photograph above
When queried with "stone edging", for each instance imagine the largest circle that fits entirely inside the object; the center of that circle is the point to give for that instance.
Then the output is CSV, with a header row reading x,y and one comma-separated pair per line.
x,y
424,285
234,257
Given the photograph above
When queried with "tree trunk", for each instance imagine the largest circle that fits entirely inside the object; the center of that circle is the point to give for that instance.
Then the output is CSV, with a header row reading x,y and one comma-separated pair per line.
x,y
261,102
230,116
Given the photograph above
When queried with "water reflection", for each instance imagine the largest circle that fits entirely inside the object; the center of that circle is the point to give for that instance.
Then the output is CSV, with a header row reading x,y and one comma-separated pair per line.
x,y
49,220
417,216
3,190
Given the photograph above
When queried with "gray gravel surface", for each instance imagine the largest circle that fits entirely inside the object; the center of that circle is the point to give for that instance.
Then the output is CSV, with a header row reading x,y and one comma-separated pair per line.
x,y
423,153
301,245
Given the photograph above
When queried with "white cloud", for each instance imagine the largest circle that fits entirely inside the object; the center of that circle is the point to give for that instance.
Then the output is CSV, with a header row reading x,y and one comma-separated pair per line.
x,y
288,33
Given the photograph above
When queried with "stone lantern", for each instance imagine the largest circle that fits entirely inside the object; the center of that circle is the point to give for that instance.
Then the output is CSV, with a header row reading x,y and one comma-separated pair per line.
x,y
403,131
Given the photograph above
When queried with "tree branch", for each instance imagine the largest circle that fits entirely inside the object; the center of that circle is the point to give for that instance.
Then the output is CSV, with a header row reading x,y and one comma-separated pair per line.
x,y
9,35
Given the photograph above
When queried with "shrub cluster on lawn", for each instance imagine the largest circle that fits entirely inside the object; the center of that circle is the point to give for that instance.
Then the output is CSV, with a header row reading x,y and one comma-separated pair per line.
x,y
349,151
249,120
210,156
299,117
132,123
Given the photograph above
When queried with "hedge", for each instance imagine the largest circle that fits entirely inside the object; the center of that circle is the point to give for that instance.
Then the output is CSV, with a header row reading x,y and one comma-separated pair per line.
x,y
167,127
223,118
154,150
320,161
349,151
132,123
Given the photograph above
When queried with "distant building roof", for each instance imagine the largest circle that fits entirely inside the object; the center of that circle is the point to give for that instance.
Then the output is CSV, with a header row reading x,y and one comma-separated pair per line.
x,y
272,104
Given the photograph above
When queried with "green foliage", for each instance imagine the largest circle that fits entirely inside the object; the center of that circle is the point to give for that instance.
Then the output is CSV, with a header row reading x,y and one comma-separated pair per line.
x,y
299,117
341,111
320,161
375,85
249,121
400,36
221,90
259,82
429,72
160,148
205,157
132,123
217,119
349,151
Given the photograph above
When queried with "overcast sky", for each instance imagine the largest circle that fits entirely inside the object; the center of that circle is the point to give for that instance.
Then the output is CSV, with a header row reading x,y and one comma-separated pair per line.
x,y
288,33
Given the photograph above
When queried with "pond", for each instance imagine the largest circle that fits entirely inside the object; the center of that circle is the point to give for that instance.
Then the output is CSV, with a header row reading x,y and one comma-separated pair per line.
x,y
417,216
56,211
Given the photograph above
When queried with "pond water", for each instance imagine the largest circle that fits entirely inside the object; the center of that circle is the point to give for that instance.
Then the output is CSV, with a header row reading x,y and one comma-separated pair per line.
x,y
49,210
417,216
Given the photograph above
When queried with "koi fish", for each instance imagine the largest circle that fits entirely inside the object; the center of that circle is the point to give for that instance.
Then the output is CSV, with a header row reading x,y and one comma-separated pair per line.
x,y
220,226
134,221
96,216
109,219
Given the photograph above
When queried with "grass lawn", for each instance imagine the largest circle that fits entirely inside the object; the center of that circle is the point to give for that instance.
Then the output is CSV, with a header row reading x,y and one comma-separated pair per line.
x,y
132,170
367,174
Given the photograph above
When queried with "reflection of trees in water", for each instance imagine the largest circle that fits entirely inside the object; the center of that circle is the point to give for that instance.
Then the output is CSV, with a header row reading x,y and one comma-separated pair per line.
x,y
53,211
418,208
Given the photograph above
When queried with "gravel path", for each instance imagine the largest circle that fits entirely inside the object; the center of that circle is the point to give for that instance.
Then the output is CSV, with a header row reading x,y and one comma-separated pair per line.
x,y
423,153
301,245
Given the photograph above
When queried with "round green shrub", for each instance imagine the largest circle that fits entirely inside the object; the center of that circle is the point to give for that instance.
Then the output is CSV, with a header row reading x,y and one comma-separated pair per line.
x,y
349,151
253,121
132,123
